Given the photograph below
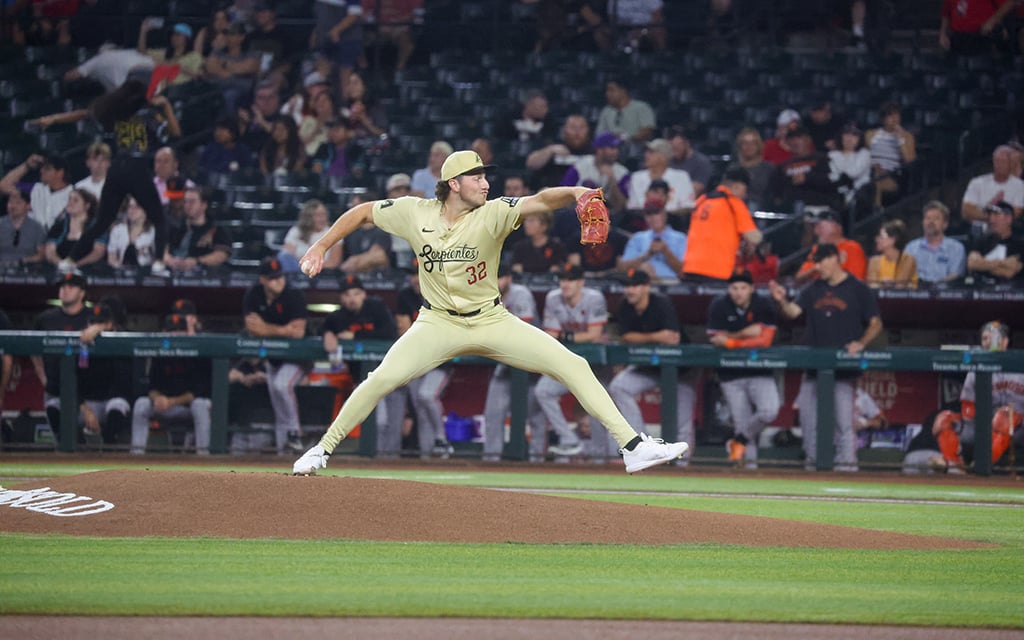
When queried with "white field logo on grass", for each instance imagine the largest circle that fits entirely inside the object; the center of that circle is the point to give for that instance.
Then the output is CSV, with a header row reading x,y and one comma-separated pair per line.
x,y
53,503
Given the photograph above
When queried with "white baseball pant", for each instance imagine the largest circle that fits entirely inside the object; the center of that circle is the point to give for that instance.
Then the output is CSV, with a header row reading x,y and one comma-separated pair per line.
x,y
845,439
425,393
498,406
753,402
281,381
628,384
389,416
549,392
198,410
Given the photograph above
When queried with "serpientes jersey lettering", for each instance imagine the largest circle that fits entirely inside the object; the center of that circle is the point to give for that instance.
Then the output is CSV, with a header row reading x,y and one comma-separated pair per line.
x,y
458,266
590,310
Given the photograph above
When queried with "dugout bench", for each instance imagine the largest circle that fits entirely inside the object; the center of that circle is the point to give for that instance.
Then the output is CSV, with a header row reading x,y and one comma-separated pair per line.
x,y
221,348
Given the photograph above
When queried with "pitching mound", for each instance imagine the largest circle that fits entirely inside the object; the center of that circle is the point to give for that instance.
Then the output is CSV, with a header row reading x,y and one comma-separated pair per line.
x,y
268,505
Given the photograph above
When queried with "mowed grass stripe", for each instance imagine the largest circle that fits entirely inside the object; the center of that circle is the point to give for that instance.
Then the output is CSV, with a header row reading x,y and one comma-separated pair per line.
x,y
153,576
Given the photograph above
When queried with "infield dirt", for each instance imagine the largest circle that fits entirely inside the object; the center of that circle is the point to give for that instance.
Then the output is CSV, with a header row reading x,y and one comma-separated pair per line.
x,y
169,503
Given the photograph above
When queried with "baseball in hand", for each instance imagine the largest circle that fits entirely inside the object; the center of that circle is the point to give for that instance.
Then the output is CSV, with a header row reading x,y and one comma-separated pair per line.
x,y
307,268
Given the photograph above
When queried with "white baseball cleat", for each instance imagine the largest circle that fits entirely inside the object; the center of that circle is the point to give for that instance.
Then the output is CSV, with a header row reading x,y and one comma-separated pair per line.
x,y
315,458
651,452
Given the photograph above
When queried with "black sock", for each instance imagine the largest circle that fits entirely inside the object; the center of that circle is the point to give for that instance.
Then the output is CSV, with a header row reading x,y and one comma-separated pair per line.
x,y
116,428
53,417
740,438
632,444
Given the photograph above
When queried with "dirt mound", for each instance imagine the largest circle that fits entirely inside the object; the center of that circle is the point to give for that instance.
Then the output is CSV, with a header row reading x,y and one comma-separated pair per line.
x,y
270,505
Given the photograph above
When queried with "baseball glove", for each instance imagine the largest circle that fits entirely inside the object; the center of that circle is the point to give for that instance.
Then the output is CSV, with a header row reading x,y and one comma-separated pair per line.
x,y
593,215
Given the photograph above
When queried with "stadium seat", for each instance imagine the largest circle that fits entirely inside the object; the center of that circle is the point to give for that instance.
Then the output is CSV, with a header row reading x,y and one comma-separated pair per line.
x,y
55,55
295,186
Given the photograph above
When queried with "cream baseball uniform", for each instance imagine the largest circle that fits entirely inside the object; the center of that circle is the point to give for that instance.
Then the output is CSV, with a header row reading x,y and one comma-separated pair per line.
x,y
497,404
462,314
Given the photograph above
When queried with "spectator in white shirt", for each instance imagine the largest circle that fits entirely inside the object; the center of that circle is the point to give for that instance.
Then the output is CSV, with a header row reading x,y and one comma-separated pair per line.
x,y
990,188
111,66
49,196
850,165
656,158
97,159
131,242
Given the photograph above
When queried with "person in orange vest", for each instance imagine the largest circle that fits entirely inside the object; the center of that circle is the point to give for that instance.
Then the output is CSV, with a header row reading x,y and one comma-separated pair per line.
x,y
719,223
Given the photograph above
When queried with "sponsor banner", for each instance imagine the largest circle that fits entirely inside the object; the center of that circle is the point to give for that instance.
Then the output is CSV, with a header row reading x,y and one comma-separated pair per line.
x,y
905,397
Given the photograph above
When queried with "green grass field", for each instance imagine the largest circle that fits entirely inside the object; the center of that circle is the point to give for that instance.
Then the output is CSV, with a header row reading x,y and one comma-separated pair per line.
x,y
158,576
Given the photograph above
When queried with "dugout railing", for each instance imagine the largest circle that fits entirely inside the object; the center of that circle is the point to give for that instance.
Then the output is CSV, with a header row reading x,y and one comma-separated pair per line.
x,y
221,348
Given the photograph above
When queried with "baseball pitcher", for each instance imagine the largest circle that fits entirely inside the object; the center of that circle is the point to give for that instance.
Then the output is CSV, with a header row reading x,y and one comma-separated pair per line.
x,y
457,238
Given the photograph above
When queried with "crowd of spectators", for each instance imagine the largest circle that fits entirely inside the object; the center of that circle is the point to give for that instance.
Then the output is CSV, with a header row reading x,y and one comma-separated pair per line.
x,y
288,108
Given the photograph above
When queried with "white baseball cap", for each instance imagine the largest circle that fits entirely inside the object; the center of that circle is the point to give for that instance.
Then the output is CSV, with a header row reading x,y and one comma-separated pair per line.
x,y
788,116
314,78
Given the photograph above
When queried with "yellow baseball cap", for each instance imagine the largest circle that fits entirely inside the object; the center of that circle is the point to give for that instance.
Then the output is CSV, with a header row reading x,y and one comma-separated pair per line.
x,y
462,162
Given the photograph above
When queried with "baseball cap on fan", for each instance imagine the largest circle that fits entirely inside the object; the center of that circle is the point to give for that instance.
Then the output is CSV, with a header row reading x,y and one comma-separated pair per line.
x,y
313,79
787,117
175,189
463,162
999,207
606,139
